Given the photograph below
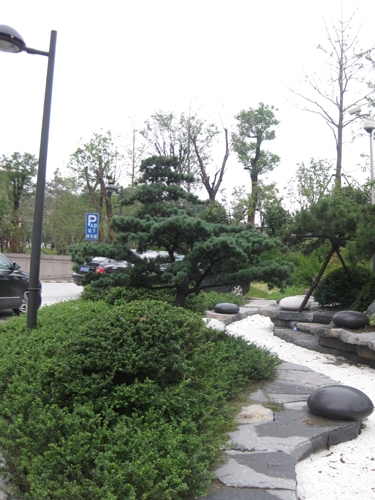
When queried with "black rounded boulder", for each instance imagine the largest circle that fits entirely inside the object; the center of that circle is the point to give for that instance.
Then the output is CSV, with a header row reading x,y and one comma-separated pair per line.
x,y
340,402
226,308
350,319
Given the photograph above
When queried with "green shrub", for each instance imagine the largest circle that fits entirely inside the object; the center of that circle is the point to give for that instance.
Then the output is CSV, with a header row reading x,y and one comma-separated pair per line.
x,y
337,288
123,295
366,296
104,402
306,267
198,303
261,290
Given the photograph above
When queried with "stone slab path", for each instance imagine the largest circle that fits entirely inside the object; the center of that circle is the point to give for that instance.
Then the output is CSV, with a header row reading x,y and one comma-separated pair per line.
x,y
275,431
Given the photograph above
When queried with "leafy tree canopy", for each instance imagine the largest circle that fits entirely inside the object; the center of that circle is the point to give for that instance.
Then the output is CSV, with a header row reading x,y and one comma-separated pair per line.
x,y
311,182
95,165
254,127
17,186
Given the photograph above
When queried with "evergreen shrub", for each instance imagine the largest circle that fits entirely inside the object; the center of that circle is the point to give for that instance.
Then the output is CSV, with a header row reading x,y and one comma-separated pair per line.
x,y
366,296
198,303
104,402
337,288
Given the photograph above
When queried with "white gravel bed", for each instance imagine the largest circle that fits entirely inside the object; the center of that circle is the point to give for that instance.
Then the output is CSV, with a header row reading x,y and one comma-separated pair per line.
x,y
346,471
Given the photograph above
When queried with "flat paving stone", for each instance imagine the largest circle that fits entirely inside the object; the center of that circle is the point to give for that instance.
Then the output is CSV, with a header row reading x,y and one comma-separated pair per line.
x,y
245,470
361,339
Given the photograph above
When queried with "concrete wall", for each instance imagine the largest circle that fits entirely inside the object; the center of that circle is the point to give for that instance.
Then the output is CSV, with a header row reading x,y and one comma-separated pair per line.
x,y
51,266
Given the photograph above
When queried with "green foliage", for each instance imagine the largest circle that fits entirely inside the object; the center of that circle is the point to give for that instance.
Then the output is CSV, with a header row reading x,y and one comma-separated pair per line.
x,y
17,188
65,209
310,183
366,295
198,303
338,287
363,247
262,291
93,165
215,213
306,267
114,403
274,218
193,250
254,127
327,220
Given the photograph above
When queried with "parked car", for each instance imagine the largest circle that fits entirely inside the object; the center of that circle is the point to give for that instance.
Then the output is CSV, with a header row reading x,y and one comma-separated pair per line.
x,y
14,286
97,265
110,266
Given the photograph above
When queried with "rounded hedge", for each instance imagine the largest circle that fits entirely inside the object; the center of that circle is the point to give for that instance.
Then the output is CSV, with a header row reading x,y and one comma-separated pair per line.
x,y
112,403
338,288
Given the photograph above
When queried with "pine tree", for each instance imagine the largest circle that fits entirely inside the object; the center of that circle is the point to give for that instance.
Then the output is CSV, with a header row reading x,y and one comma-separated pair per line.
x,y
192,251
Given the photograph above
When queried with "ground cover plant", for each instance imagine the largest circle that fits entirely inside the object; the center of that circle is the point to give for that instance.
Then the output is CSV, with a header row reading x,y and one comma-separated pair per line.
x,y
261,291
103,402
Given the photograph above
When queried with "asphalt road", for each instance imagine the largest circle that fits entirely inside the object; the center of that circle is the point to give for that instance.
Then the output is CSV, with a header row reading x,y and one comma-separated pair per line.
x,y
52,292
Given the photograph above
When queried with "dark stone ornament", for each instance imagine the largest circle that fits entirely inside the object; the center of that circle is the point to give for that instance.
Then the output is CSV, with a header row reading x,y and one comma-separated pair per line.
x,y
226,308
340,402
350,319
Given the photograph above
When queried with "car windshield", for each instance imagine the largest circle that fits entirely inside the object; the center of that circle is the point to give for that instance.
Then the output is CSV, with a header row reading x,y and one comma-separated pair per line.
x,y
5,263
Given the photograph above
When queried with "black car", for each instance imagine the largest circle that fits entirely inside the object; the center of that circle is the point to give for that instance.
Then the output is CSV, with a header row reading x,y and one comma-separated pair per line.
x,y
14,286
96,265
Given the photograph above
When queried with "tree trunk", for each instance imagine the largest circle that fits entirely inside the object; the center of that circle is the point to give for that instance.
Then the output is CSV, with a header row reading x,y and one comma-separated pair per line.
x,y
317,279
212,187
180,299
15,238
254,199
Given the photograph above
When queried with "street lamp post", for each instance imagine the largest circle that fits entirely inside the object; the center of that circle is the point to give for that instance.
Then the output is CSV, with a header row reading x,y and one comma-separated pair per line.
x,y
11,41
369,126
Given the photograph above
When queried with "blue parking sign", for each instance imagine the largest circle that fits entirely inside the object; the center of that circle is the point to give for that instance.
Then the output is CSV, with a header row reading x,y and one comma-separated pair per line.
x,y
92,227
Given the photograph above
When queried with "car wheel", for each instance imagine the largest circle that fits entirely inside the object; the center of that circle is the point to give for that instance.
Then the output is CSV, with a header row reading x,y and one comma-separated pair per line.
x,y
23,307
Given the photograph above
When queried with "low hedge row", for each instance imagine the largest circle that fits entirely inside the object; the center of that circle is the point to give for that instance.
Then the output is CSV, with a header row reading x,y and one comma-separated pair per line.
x,y
104,402
198,303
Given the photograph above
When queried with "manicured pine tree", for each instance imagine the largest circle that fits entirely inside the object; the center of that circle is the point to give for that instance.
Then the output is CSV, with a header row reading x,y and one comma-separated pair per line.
x,y
192,251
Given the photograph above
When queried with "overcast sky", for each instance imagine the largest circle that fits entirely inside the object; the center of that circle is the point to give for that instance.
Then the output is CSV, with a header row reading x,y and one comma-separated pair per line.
x,y
120,58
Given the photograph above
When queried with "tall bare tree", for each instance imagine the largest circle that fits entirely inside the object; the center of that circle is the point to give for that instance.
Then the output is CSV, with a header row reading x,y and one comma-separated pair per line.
x,y
212,185
134,152
347,70
170,135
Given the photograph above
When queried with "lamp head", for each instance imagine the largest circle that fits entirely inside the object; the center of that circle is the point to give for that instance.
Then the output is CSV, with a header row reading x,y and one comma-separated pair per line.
x,y
10,40
369,125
